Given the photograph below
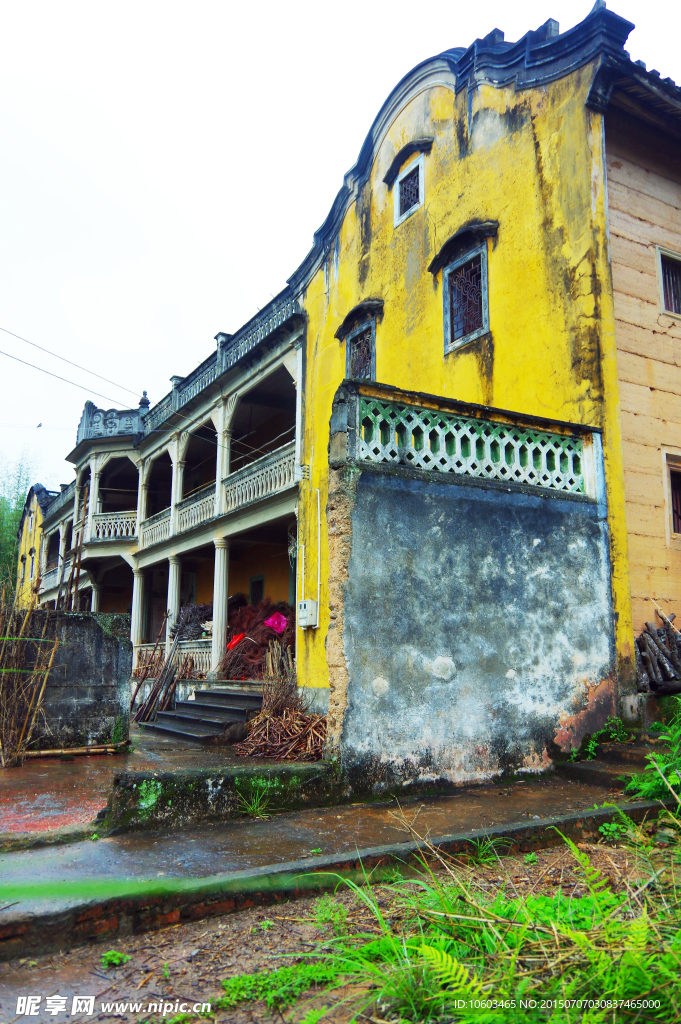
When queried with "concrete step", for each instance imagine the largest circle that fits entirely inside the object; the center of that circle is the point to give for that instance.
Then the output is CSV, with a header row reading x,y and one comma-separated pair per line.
x,y
215,722
634,752
598,773
231,698
216,712
186,730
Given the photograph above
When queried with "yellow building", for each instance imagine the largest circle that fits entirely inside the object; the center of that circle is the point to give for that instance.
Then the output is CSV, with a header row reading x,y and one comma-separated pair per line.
x,y
30,540
453,439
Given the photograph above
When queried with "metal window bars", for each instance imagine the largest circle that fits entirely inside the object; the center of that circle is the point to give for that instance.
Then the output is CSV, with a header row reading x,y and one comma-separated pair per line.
x,y
671,284
465,283
391,432
410,192
360,354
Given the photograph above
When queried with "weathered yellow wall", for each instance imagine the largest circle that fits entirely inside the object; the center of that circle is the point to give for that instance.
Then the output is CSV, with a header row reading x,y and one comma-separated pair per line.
x,y
29,539
533,161
268,560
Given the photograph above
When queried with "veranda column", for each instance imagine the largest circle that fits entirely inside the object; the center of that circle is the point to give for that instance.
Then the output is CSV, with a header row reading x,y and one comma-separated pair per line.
x,y
137,606
220,596
176,492
141,500
174,569
97,596
93,496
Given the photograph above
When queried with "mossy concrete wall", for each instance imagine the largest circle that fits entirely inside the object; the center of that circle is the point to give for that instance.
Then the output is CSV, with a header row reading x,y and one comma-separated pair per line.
x,y
145,800
87,698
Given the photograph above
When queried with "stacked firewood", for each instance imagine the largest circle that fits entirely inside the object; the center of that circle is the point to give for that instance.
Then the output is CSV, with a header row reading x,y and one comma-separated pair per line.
x,y
290,736
284,729
658,659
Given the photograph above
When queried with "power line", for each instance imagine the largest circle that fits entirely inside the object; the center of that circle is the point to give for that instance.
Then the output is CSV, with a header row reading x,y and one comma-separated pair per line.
x,y
56,375
71,363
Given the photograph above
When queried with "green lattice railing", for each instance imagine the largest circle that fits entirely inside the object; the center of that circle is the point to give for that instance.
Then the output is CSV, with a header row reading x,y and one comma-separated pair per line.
x,y
446,443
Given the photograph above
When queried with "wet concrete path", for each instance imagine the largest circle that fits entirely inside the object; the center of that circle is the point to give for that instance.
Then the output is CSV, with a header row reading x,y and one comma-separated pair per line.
x,y
232,846
48,793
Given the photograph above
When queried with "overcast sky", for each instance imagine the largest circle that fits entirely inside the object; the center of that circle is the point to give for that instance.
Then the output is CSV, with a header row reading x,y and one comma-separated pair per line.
x,y
164,166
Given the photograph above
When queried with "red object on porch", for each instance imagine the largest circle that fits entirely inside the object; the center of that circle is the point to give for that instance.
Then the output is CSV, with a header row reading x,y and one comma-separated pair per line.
x,y
235,640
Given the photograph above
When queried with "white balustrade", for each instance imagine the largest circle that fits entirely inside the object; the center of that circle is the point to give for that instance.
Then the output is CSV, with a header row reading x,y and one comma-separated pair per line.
x,y
196,509
114,526
156,528
264,477
198,651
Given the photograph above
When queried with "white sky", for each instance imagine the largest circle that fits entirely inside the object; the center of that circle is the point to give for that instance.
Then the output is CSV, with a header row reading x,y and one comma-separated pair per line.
x,y
163,166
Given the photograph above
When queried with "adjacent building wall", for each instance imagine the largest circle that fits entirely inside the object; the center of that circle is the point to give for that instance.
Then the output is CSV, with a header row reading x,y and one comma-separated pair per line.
x,y
644,196
472,626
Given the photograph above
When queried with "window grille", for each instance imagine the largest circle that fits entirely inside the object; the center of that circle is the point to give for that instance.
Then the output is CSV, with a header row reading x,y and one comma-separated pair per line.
x,y
466,310
671,284
410,192
466,298
360,354
30,575
445,443
675,481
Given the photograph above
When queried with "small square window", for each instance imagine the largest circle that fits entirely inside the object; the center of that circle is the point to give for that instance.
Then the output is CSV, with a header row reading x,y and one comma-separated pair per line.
x,y
675,488
360,347
409,190
671,283
466,311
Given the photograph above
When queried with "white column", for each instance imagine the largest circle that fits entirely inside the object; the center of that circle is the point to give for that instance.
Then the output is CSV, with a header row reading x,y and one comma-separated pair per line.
x,y
93,497
220,597
224,455
176,492
174,571
137,606
97,596
141,500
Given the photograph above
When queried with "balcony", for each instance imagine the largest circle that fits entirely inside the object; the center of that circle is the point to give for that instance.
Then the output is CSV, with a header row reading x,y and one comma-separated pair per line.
x,y
196,509
155,529
50,578
261,479
114,526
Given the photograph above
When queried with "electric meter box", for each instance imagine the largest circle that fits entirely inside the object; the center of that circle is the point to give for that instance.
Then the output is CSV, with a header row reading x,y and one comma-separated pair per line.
x,y
307,613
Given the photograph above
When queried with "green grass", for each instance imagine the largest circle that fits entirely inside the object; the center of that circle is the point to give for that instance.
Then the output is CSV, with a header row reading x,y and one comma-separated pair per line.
x,y
459,953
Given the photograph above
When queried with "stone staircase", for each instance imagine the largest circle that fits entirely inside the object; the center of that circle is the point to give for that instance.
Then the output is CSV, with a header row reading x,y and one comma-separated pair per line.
x,y
214,716
615,763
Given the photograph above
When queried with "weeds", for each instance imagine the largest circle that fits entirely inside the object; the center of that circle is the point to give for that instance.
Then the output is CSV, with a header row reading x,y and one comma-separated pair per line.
x,y
114,958
663,771
330,911
530,858
255,801
460,953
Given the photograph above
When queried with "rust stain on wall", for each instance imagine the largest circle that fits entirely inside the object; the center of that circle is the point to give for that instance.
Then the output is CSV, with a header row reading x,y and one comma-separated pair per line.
x,y
602,704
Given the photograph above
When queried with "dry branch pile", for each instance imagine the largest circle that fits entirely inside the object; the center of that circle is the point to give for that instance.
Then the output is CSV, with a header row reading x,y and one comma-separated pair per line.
x,y
247,659
28,644
658,658
291,736
284,729
190,621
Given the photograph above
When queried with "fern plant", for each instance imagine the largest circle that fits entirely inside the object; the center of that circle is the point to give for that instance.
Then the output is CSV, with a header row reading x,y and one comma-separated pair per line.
x,y
649,784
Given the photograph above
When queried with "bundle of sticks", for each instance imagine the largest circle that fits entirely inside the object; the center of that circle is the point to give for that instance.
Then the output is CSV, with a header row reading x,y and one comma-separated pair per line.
x,y
161,694
290,736
28,645
190,621
658,658
284,729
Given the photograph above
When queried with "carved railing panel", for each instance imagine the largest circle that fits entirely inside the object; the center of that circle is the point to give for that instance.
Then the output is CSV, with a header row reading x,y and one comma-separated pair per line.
x,y
155,529
266,476
196,509
199,379
114,526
